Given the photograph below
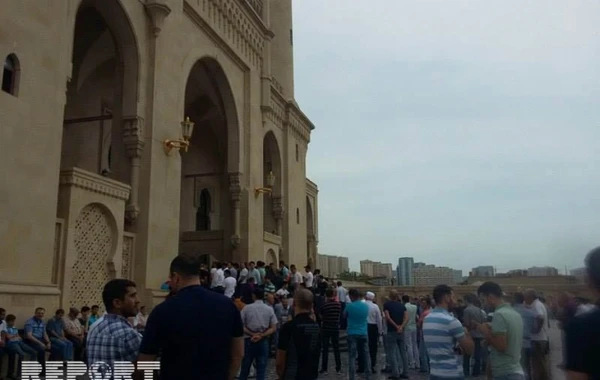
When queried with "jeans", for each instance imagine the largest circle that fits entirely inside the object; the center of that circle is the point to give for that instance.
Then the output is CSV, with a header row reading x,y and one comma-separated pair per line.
x,y
258,351
65,348
358,345
22,351
397,353
477,355
423,356
412,348
334,336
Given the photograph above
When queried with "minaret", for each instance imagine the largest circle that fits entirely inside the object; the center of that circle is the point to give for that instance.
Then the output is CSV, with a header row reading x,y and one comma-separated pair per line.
x,y
282,51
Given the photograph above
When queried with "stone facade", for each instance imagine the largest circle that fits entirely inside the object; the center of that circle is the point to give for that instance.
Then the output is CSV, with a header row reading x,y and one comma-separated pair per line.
x,y
94,89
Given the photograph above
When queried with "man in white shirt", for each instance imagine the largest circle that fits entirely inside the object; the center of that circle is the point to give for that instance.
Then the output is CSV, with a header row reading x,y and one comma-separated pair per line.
x,y
296,279
217,278
374,328
230,284
540,347
309,278
243,275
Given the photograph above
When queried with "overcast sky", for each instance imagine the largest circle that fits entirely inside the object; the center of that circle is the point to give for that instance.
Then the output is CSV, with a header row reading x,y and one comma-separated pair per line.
x,y
461,133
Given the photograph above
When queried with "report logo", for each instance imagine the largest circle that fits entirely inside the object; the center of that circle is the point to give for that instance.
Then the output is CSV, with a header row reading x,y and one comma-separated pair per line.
x,y
98,371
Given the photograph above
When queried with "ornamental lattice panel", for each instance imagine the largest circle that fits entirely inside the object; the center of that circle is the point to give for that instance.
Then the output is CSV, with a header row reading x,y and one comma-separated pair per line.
x,y
93,244
127,256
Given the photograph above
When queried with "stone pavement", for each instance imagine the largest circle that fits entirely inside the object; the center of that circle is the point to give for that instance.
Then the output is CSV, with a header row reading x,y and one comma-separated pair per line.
x,y
555,347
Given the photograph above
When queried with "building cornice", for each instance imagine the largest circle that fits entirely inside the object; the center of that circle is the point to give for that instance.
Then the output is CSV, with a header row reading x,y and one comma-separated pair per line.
x,y
95,183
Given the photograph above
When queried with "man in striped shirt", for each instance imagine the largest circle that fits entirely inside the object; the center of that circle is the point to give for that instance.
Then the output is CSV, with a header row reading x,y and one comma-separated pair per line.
x,y
330,330
445,338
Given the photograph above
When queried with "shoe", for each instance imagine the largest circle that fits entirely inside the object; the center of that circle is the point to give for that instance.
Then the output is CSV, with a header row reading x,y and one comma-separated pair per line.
x,y
323,372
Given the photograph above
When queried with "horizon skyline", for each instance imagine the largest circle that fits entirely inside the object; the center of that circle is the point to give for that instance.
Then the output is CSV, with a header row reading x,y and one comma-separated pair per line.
x,y
356,266
460,132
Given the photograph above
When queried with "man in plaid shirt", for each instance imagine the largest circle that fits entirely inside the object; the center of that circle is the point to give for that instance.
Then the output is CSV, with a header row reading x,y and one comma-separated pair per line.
x,y
112,338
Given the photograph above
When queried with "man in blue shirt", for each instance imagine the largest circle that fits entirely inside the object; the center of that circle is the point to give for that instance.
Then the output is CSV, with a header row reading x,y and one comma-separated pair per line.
x,y
357,314
37,338
56,331
445,338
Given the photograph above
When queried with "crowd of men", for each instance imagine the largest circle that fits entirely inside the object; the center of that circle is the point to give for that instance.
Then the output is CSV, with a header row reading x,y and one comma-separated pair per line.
x,y
211,328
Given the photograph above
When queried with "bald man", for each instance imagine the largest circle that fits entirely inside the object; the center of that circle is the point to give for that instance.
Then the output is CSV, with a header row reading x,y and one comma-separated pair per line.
x,y
299,345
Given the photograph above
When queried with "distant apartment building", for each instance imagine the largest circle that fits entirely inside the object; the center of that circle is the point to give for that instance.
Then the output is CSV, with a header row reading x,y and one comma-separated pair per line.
x,y
542,271
404,271
458,276
332,266
430,275
376,269
483,271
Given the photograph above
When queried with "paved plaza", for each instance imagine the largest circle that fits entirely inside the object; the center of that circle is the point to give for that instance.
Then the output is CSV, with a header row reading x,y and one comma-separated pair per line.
x,y
555,346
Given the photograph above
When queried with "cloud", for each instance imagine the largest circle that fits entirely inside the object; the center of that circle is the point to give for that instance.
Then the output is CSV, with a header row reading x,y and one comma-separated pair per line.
x,y
462,133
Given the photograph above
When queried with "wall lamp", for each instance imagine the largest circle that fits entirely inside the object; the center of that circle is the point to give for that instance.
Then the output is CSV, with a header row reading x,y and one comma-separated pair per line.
x,y
269,188
187,128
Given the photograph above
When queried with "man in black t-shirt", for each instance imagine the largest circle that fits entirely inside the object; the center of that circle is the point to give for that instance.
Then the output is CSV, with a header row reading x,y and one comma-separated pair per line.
x,y
396,318
583,332
299,342
198,333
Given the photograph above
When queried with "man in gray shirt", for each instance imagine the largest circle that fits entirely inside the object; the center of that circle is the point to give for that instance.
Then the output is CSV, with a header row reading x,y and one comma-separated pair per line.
x,y
472,316
260,323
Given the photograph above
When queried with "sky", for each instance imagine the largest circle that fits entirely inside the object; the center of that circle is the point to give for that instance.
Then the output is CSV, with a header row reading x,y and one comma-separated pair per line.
x,y
461,133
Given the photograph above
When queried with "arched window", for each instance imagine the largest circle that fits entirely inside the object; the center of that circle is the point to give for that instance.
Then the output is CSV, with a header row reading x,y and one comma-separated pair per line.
x,y
203,212
10,75
298,216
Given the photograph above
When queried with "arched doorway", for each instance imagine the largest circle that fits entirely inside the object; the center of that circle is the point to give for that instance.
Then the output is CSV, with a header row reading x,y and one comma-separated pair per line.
x,y
310,235
206,214
272,206
271,258
98,141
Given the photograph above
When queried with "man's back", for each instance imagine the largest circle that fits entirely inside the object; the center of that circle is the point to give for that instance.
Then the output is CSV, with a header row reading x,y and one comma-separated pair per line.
x,y
300,340
509,323
412,316
396,310
540,309
330,315
357,313
193,331
528,315
441,333
583,344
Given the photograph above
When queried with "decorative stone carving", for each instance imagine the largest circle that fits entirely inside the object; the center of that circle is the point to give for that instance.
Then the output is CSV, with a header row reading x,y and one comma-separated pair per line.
x,y
235,189
133,135
128,247
93,182
158,11
278,208
235,240
94,242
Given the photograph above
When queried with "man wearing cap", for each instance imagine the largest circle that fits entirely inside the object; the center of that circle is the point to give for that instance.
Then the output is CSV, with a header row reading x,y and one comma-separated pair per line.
x,y
374,328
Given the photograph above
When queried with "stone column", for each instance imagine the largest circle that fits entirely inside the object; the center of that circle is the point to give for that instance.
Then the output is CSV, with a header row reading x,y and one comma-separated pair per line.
x,y
133,132
235,189
311,240
278,214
